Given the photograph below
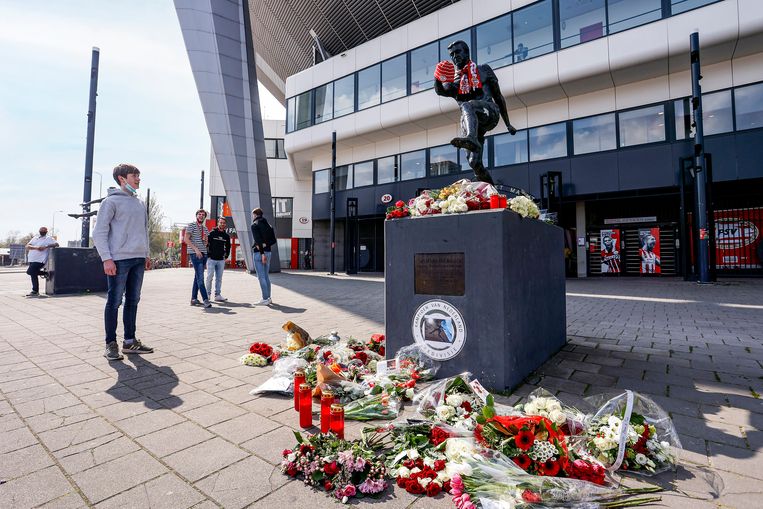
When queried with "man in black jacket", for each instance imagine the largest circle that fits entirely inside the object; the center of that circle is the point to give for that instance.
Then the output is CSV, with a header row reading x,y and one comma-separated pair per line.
x,y
264,237
218,243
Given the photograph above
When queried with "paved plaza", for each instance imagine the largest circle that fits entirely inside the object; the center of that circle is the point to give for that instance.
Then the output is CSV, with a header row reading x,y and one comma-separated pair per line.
x,y
179,429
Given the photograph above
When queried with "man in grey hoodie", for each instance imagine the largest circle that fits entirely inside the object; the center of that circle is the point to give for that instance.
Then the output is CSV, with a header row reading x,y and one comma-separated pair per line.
x,y
121,238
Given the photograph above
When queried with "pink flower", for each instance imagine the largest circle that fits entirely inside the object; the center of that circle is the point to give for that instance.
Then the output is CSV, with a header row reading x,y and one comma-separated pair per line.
x,y
456,486
464,502
349,490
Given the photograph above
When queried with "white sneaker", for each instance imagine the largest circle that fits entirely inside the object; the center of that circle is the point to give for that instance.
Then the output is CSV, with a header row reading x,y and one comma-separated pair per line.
x,y
207,304
264,302
220,298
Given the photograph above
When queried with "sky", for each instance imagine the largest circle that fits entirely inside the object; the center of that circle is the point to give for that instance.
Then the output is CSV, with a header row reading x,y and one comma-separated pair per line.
x,y
148,111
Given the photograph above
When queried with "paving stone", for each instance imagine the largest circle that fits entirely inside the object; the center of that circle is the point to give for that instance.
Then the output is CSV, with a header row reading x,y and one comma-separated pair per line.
x,y
270,445
118,475
69,501
18,438
98,455
166,492
60,418
9,422
77,433
242,483
203,459
149,422
23,461
244,427
41,406
34,489
269,405
214,413
174,439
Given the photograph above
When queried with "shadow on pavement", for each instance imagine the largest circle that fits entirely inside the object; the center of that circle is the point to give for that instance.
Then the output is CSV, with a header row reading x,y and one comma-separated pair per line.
x,y
229,304
286,309
154,384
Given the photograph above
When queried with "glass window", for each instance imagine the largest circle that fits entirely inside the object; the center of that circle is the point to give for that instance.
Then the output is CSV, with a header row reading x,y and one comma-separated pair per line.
x,y
508,149
290,115
749,106
548,141
321,179
364,174
344,96
304,110
324,103
393,78
413,165
533,31
681,110
281,149
368,87
678,6
443,160
594,134
494,42
423,62
465,36
343,177
386,169
716,113
464,158
271,149
581,21
645,125
625,14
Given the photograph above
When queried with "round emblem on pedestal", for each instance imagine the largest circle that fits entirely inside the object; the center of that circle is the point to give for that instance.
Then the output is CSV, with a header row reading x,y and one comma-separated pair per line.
x,y
439,329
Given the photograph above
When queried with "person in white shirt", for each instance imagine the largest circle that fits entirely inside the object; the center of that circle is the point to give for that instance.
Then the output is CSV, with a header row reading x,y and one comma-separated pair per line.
x,y
38,251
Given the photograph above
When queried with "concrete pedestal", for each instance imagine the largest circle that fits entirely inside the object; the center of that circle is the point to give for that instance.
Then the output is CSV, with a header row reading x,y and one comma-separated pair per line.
x,y
481,292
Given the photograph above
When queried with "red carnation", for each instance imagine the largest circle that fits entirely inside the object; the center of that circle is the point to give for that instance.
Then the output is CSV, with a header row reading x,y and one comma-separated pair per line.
x,y
331,469
524,439
286,452
439,465
381,351
402,482
328,486
400,204
361,356
414,488
292,471
438,436
531,497
433,489
446,486
523,461
467,406
409,464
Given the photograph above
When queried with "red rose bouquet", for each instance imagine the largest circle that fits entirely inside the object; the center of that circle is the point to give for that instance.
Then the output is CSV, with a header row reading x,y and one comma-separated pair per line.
x,y
400,209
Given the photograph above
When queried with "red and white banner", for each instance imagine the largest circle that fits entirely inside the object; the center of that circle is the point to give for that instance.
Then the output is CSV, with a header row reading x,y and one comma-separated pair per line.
x,y
649,250
610,251
738,238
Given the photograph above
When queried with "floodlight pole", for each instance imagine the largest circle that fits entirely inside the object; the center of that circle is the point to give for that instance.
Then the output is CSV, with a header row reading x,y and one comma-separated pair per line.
x,y
87,194
332,198
700,179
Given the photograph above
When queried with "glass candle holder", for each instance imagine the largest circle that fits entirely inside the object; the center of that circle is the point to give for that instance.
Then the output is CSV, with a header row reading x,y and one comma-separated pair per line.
x,y
305,406
504,202
337,420
299,379
495,201
327,399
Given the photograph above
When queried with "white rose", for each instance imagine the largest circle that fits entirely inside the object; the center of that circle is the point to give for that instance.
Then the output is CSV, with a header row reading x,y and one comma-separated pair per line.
x,y
445,412
424,481
415,470
614,422
291,457
413,454
530,408
461,469
409,393
457,448
557,417
403,472
540,403
664,445
454,400
602,443
442,476
641,459
554,405
429,461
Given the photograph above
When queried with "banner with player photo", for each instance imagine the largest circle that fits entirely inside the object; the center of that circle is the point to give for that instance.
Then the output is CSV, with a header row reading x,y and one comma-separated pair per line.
x,y
649,250
610,251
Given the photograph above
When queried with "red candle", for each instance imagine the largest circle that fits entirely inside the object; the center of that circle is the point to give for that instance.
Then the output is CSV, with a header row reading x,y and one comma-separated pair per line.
x,y
299,379
337,420
305,406
504,202
495,201
327,399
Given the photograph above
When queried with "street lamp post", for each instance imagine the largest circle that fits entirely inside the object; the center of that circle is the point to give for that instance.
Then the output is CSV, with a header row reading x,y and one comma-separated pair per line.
x,y
53,223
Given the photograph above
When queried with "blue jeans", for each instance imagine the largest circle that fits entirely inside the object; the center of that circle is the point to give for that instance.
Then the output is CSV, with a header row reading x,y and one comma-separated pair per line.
x,y
262,273
198,277
215,267
127,283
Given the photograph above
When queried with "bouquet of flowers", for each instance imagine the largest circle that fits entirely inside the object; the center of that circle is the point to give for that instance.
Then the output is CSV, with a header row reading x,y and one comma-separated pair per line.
x,y
343,469
543,403
400,209
524,206
425,204
263,350
412,363
253,359
373,406
451,401
631,432
377,344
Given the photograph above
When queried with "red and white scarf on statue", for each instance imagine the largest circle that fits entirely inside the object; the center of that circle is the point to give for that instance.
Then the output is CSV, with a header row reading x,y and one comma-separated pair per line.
x,y
469,79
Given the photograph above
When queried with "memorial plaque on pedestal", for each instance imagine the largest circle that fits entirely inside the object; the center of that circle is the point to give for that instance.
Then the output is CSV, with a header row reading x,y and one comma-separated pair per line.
x,y
480,292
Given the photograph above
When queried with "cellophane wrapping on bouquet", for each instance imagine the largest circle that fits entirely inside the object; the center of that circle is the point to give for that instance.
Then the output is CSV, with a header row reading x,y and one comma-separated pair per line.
x,y
282,380
541,402
461,196
413,363
373,406
450,401
630,432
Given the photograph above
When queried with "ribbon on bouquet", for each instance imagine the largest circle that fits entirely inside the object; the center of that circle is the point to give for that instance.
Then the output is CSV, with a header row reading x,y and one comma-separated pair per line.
x,y
623,431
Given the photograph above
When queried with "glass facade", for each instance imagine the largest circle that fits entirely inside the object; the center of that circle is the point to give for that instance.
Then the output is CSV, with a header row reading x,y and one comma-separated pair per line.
x,y
443,160
533,31
679,6
581,21
644,125
290,115
625,14
344,96
494,42
394,78
465,36
363,174
343,177
386,170
548,141
368,87
508,149
324,103
594,134
749,106
413,165
304,110
321,181
423,62
465,160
